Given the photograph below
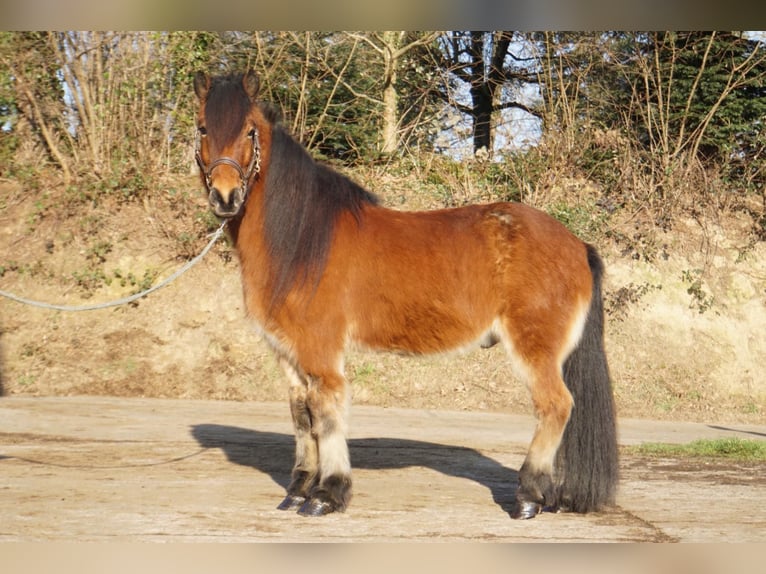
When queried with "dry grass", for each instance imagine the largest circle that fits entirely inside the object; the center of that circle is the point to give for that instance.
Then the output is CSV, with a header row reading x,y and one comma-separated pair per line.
x,y
685,300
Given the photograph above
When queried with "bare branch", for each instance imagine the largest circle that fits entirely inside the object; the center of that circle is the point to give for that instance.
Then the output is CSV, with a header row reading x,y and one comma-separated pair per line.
x,y
323,115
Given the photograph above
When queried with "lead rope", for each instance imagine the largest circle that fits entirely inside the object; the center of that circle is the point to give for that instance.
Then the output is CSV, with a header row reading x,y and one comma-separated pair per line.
x,y
125,300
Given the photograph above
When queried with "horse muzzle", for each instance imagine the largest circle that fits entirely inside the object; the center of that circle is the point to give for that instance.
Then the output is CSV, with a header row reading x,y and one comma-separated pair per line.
x,y
228,206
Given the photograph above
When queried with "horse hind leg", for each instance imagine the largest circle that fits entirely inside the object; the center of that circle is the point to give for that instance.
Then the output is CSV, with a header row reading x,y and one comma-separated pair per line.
x,y
327,400
553,404
533,358
305,471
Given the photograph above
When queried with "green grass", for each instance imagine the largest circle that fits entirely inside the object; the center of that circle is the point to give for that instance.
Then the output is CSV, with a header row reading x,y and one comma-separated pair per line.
x,y
729,448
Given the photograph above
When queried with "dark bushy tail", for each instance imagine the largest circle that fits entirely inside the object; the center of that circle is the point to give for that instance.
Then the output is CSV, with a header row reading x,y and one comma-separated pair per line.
x,y
586,463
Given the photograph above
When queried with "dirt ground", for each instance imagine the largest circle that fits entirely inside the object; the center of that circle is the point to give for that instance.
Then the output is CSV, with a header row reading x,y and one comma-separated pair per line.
x,y
127,470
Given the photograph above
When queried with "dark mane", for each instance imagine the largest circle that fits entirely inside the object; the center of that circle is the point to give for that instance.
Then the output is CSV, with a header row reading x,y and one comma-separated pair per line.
x,y
226,108
303,200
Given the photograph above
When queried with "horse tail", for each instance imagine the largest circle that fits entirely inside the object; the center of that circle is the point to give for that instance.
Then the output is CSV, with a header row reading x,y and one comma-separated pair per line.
x,y
586,462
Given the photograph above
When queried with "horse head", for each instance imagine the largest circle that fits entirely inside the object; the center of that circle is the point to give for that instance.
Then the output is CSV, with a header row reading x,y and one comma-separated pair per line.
x,y
227,146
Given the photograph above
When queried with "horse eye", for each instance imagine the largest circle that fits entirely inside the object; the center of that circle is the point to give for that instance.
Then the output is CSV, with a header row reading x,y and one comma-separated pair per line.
x,y
251,134
202,131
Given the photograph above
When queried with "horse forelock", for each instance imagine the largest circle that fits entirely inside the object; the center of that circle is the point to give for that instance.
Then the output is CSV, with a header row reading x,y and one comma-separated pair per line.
x,y
303,202
226,109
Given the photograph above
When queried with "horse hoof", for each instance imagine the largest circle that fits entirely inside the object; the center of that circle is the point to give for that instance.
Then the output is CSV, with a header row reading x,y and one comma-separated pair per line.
x,y
291,502
315,507
524,509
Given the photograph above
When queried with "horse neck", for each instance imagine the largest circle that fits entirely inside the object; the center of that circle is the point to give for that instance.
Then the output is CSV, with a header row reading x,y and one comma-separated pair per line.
x,y
247,230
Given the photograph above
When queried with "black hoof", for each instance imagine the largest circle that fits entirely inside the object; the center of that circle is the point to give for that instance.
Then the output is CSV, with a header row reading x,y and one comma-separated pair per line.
x,y
315,507
291,502
524,509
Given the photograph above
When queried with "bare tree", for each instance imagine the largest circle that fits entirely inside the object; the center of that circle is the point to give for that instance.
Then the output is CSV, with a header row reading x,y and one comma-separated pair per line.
x,y
480,60
38,97
391,47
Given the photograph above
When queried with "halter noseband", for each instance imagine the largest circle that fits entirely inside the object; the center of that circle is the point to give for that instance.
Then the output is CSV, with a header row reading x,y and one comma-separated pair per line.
x,y
253,168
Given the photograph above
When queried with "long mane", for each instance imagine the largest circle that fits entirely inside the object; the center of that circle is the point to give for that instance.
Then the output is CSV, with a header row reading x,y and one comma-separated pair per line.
x,y
303,201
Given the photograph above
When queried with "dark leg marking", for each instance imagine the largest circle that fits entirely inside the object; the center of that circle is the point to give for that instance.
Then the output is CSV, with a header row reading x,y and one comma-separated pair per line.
x,y
331,495
297,492
536,491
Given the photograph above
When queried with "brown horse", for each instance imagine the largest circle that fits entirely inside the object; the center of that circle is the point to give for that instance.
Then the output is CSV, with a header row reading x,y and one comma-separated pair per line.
x,y
325,267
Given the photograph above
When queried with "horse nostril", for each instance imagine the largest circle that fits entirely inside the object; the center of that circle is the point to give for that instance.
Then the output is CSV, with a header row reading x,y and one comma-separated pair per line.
x,y
228,206
215,198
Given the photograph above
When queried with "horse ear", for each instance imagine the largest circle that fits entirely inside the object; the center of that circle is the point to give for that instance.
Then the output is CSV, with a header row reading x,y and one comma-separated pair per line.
x,y
251,83
201,84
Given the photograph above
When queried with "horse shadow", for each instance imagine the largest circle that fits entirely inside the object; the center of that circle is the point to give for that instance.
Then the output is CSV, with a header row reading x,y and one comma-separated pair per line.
x,y
272,453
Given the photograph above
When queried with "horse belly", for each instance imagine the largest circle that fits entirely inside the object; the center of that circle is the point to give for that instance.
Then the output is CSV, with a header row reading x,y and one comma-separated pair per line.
x,y
423,338
418,320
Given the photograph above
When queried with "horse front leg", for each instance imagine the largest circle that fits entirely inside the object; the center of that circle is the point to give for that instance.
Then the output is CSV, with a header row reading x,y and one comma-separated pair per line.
x,y
305,473
327,401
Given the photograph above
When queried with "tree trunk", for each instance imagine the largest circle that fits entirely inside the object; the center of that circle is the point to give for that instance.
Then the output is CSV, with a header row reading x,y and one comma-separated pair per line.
x,y
486,77
390,121
391,55
481,100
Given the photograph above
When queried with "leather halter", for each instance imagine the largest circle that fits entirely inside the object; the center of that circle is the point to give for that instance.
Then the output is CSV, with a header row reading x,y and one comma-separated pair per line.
x,y
253,168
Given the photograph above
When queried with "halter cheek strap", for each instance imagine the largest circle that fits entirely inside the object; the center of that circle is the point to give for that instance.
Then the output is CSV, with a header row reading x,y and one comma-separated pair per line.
x,y
253,168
